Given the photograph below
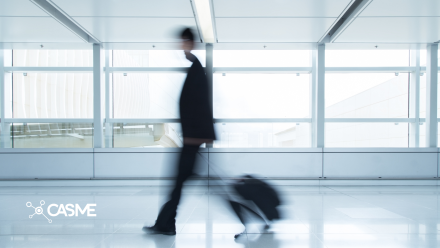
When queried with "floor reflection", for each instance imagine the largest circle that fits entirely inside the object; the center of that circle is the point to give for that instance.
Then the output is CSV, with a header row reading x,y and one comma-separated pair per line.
x,y
313,216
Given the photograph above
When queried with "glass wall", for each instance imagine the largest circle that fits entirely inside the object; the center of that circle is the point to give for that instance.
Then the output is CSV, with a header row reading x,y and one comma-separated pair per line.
x,y
145,135
52,135
261,98
262,135
52,95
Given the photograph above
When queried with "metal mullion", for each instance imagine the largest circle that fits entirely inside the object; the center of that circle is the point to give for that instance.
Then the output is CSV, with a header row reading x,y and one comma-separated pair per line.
x,y
319,125
4,125
108,127
210,79
98,118
431,95
414,99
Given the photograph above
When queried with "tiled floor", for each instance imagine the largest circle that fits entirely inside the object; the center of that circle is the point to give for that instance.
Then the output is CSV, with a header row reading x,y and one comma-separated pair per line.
x,y
313,216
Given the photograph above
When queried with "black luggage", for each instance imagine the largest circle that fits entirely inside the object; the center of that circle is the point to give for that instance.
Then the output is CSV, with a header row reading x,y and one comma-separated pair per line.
x,y
261,193
264,197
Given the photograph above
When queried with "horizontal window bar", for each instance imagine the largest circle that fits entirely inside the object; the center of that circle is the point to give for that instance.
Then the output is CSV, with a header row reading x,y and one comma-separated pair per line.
x,y
49,69
280,70
369,69
221,120
149,69
216,120
260,120
402,120
275,70
48,120
143,120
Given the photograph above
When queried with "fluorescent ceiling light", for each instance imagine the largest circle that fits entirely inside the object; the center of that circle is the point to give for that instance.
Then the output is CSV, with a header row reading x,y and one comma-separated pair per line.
x,y
204,16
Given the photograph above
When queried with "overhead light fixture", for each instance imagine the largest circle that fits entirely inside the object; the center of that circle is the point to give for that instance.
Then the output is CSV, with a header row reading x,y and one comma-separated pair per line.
x,y
204,16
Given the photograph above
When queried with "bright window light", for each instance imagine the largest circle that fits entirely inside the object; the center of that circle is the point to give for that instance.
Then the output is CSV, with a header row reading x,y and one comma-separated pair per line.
x,y
205,20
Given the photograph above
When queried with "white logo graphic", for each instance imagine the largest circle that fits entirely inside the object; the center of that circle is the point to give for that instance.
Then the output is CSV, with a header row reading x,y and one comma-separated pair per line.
x,y
68,210
38,210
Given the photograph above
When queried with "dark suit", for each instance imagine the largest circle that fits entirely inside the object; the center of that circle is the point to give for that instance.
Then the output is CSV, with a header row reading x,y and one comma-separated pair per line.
x,y
197,122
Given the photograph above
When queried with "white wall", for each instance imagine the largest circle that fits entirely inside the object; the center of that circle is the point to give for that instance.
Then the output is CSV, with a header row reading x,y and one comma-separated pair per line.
x,y
275,163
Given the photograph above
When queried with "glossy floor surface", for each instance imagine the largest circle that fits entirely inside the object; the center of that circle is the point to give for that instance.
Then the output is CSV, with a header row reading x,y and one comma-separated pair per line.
x,y
313,216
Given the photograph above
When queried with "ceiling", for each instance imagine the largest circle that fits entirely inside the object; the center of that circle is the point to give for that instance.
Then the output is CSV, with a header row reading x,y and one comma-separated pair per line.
x,y
237,23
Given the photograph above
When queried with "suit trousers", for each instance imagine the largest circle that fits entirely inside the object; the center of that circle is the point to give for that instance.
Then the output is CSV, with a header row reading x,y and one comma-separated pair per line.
x,y
166,220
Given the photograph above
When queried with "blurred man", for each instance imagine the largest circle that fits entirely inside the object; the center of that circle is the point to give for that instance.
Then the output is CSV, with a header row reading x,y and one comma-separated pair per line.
x,y
197,127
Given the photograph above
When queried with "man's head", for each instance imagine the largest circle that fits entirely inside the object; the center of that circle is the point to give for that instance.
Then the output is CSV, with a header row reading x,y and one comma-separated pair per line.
x,y
187,37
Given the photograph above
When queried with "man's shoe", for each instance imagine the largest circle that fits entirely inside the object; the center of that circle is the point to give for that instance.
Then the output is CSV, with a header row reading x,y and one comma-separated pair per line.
x,y
155,230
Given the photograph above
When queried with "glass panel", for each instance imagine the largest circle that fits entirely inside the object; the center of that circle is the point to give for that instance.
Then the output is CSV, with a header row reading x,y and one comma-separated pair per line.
x,y
52,135
422,140
155,58
146,135
81,58
366,134
52,95
366,58
423,57
366,95
261,96
423,96
260,58
262,135
142,95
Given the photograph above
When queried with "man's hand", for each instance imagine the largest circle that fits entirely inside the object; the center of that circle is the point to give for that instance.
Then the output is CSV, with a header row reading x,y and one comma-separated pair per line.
x,y
195,141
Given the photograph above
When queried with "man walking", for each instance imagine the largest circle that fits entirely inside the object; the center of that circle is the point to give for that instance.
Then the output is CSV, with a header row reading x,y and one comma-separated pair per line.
x,y
197,127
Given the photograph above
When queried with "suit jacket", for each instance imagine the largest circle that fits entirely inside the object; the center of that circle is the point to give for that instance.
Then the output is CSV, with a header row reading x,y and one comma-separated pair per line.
x,y
195,108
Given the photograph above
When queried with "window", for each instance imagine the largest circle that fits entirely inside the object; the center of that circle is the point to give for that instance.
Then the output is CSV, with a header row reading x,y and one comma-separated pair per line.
x,y
261,96
146,135
259,58
52,135
142,95
366,134
366,58
247,135
366,95
37,58
52,95
155,58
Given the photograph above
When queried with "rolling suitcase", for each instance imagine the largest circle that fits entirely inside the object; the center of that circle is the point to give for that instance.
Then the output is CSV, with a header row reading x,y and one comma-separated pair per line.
x,y
261,194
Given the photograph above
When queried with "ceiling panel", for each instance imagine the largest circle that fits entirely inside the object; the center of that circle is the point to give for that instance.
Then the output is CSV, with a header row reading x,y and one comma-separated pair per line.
x,y
272,29
119,29
393,29
279,8
151,8
403,8
20,8
34,29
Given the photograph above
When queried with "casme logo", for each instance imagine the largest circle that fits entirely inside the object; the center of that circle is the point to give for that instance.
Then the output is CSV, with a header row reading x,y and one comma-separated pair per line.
x,y
72,209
